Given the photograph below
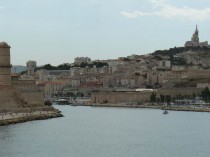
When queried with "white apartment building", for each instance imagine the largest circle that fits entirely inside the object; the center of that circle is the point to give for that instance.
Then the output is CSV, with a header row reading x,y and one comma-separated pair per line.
x,y
75,71
80,60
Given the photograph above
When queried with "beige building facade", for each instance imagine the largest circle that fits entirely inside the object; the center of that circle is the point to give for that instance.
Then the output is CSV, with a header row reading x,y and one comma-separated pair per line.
x,y
120,97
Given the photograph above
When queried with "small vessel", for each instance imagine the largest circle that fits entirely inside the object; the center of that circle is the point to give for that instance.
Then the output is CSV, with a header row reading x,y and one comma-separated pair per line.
x,y
62,101
164,108
165,112
80,101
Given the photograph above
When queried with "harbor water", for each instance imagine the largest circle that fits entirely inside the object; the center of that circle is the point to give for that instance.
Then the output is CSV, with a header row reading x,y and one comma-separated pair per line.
x,y
109,132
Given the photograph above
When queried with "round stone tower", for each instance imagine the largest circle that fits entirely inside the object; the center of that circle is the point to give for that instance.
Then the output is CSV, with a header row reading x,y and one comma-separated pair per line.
x,y
5,66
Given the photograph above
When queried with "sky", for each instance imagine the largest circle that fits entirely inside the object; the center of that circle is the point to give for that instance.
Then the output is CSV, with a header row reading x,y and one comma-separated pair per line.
x,y
57,31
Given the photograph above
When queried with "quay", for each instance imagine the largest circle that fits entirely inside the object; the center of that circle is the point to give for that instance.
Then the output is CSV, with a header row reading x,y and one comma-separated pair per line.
x,y
191,108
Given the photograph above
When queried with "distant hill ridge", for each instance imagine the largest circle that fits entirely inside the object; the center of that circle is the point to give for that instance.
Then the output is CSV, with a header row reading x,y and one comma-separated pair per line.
x,y
178,50
199,56
18,68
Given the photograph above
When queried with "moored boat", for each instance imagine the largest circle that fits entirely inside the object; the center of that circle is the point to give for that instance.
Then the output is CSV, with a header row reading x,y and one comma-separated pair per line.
x,y
165,112
62,102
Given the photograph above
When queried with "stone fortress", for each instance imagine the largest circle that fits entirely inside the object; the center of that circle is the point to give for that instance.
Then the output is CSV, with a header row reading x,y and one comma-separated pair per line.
x,y
14,92
195,40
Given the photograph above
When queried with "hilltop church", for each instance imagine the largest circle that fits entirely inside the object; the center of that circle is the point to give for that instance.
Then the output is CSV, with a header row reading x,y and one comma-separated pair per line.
x,y
195,40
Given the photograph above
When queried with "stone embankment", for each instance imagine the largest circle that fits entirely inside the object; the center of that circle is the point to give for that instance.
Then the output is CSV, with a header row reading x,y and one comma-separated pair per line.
x,y
191,108
14,116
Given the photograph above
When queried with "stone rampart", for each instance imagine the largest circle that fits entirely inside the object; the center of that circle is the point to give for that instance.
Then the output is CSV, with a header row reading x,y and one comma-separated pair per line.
x,y
16,97
174,92
118,97
8,98
141,97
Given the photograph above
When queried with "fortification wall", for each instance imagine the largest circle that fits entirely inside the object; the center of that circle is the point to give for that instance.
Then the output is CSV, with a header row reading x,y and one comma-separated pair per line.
x,y
197,74
118,97
21,93
5,56
17,97
8,97
32,99
31,96
174,92
5,78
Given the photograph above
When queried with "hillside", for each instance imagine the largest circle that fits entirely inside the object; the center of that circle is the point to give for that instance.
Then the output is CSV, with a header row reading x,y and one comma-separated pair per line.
x,y
198,56
18,68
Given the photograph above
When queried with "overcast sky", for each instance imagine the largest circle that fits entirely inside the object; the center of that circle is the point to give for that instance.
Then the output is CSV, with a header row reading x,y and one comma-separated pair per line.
x,y
57,31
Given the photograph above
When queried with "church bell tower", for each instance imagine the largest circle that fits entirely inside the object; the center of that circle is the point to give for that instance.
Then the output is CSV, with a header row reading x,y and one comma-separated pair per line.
x,y
195,37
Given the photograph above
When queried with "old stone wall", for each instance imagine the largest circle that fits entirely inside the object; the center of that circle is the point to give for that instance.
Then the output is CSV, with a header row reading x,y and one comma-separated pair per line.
x,y
5,66
121,97
8,97
5,77
32,99
14,97
30,96
174,92
196,74
23,82
118,97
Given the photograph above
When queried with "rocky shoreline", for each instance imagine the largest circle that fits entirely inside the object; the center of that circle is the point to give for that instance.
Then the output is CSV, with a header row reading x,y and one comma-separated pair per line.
x,y
31,118
18,116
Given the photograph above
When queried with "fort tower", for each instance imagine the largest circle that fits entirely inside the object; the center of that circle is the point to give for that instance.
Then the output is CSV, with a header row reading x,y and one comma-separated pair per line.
x,y
5,66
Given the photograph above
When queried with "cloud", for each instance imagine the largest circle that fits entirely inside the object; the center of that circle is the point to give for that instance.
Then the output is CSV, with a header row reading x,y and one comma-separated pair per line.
x,y
168,11
158,3
134,14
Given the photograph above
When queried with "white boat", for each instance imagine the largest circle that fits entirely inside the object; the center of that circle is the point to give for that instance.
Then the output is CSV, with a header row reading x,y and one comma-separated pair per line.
x,y
165,112
62,101
80,101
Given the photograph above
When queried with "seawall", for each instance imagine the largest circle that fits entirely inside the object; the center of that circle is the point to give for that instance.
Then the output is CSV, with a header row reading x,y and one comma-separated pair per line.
x,y
154,106
12,116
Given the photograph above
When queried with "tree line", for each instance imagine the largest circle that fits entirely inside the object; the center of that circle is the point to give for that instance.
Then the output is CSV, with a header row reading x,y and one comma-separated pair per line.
x,y
67,66
205,95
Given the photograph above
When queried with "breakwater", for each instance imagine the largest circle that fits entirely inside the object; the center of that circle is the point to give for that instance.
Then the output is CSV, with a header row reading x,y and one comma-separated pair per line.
x,y
14,116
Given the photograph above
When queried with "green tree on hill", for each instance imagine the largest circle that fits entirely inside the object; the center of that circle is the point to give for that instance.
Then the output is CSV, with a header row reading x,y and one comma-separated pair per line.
x,y
63,67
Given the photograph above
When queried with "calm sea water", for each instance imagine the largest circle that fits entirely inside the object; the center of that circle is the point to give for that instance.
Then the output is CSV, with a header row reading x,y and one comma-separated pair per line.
x,y
110,132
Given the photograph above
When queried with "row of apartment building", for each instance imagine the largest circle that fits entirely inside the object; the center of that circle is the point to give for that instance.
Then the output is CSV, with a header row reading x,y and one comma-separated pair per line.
x,y
118,74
